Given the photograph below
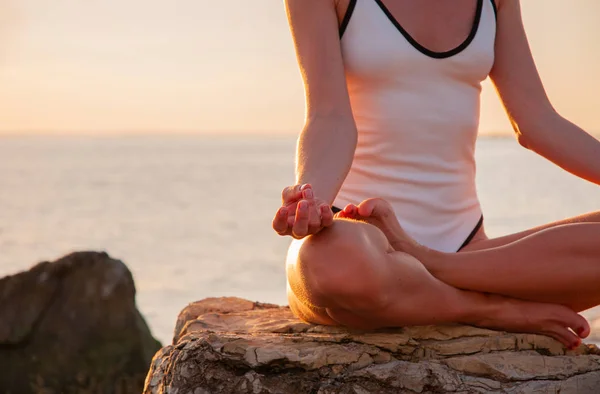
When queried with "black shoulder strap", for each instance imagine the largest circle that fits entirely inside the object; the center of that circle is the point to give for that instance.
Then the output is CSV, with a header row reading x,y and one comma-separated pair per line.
x,y
347,17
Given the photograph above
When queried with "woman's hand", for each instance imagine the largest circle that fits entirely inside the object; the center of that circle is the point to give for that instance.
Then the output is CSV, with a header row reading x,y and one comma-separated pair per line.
x,y
301,213
380,213
375,211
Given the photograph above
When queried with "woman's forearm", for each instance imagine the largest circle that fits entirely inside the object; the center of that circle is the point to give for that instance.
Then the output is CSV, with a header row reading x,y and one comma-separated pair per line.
x,y
567,146
324,154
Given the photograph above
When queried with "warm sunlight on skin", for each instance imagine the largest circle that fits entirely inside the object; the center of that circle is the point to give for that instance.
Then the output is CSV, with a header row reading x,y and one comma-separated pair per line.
x,y
155,66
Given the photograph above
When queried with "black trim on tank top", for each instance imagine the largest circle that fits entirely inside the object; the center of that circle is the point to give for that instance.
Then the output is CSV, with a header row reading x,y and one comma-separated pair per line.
x,y
428,52
472,235
347,17
495,8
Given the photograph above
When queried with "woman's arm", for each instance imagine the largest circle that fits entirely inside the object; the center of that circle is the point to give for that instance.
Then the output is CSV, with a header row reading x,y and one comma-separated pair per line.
x,y
537,124
326,144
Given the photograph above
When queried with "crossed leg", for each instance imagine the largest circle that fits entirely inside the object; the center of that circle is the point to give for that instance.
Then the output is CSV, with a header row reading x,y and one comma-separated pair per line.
x,y
557,263
350,274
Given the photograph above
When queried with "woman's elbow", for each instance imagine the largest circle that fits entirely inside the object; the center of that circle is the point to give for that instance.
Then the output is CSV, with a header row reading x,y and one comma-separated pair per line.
x,y
520,134
535,128
523,140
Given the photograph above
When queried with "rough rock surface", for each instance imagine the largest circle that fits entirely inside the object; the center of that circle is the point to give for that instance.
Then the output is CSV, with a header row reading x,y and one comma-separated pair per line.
x,y
230,345
72,326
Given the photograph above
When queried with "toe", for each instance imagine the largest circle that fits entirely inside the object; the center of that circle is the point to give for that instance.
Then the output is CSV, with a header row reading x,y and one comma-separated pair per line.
x,y
564,336
584,329
579,325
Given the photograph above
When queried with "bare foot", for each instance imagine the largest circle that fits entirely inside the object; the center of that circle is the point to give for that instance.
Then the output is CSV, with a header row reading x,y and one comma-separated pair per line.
x,y
379,213
556,321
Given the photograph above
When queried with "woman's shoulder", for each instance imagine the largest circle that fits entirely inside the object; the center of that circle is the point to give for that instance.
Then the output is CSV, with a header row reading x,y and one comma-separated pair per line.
x,y
315,3
336,4
302,6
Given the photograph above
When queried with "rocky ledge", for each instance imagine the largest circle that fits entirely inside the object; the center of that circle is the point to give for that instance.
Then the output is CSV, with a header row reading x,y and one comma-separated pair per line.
x,y
231,345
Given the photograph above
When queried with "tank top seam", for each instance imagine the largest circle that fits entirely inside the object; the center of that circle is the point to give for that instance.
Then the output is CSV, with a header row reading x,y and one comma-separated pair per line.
x,y
347,17
427,52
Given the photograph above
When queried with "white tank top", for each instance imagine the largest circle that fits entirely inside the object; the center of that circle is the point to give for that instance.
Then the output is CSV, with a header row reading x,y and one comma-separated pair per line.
x,y
417,114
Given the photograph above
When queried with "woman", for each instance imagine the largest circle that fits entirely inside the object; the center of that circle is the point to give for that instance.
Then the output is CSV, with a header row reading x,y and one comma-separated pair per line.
x,y
392,89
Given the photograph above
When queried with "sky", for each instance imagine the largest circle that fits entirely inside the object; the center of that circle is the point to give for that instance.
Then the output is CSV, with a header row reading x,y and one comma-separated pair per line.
x,y
134,66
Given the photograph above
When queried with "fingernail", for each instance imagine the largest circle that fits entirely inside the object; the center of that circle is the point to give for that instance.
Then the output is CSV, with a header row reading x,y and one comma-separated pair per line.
x,y
308,194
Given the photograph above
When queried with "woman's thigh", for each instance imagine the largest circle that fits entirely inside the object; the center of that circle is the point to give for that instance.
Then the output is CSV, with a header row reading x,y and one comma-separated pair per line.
x,y
481,241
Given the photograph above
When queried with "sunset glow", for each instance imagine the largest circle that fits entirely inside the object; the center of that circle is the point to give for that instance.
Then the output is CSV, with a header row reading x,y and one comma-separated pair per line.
x,y
204,66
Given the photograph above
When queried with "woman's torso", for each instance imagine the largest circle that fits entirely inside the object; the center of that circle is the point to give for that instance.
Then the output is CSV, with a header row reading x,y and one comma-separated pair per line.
x,y
416,107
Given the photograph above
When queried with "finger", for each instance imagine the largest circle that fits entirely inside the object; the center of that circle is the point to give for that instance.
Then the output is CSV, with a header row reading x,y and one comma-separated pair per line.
x,y
307,192
314,217
350,210
343,214
313,228
291,219
340,214
300,228
326,215
280,223
367,207
321,216
291,194
306,186
377,207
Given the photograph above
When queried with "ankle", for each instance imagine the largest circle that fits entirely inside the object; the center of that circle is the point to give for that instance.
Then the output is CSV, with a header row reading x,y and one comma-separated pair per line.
x,y
483,313
431,259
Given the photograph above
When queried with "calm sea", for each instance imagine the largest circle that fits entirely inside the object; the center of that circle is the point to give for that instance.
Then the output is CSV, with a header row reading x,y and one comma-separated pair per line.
x,y
191,215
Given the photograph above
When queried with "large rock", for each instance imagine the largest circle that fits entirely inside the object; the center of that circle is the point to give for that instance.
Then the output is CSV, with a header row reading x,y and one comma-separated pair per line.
x,y
231,345
72,326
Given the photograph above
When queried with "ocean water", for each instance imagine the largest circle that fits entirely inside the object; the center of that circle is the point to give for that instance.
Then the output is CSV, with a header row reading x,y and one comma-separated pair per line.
x,y
191,215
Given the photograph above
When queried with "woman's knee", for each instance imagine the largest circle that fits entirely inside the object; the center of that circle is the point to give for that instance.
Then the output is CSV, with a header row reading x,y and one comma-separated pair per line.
x,y
341,264
303,310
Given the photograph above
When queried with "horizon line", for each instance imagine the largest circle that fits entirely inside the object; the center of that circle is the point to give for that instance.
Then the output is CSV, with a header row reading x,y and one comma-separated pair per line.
x,y
134,132
189,133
